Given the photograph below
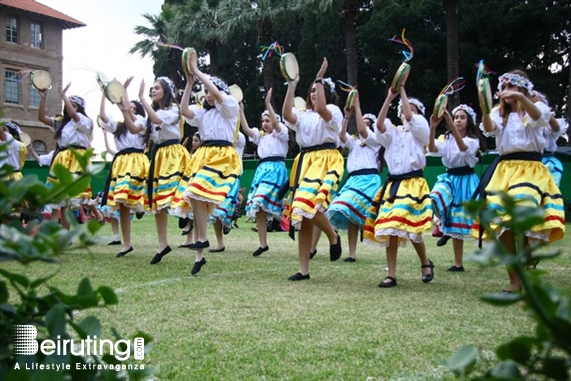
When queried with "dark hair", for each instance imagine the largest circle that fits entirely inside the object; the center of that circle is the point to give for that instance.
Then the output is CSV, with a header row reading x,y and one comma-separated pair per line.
x,y
381,162
330,96
66,119
192,148
13,131
474,132
167,101
122,127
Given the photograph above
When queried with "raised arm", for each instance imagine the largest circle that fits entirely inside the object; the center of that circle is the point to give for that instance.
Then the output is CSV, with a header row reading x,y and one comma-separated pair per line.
x,y
343,134
459,139
287,108
205,79
391,95
102,114
434,122
42,109
320,106
406,110
67,104
244,122
34,154
185,101
273,117
126,97
130,120
151,114
361,128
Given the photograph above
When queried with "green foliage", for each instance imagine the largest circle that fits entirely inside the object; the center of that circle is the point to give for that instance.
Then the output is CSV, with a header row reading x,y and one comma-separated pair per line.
x,y
37,302
547,354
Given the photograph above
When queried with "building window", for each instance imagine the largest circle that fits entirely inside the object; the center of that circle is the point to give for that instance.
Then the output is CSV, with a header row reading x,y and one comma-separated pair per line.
x,y
40,147
34,96
36,35
12,87
12,29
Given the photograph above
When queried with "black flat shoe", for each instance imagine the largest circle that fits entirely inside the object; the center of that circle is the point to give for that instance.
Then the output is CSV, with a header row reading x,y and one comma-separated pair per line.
x,y
443,240
123,253
260,250
184,232
114,243
217,250
226,230
182,222
392,283
159,256
140,215
298,276
197,266
186,245
199,245
349,259
456,269
430,276
335,250
312,254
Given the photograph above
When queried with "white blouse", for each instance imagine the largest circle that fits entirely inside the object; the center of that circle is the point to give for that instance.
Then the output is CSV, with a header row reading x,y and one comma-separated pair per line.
x,y
127,140
273,144
312,130
552,136
362,152
11,156
519,134
169,129
452,156
405,145
75,133
218,123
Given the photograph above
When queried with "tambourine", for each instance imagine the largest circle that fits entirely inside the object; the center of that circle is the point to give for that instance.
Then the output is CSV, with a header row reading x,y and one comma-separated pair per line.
x,y
289,66
114,91
25,138
185,60
350,102
400,77
200,98
299,103
236,93
485,95
41,79
102,80
440,105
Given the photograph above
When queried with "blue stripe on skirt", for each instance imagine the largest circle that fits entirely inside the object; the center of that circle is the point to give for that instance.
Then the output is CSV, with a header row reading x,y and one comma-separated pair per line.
x,y
263,194
555,168
225,211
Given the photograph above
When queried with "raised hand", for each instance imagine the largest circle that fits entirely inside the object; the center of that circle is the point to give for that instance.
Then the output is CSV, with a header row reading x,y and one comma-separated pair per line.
x,y
142,90
128,81
323,68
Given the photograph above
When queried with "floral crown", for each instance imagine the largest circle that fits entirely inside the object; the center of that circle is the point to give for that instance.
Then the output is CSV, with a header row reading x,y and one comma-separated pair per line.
x,y
77,100
220,84
469,110
331,84
13,126
516,80
370,116
413,101
169,82
278,117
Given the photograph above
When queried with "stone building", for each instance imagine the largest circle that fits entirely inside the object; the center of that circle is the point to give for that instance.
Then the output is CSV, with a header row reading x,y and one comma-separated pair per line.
x,y
31,39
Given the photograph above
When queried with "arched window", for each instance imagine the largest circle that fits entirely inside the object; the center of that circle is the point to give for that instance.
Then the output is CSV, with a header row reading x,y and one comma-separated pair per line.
x,y
40,147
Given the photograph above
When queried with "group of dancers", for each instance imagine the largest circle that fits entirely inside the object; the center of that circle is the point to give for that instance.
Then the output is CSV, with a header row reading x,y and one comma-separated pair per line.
x,y
202,186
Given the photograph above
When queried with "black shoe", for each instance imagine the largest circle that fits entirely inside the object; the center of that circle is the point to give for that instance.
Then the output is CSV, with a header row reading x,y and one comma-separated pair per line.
x,y
200,245
197,266
349,259
260,250
335,250
443,240
456,269
392,283
159,256
254,229
312,254
114,243
139,215
184,232
217,250
226,230
123,253
182,222
428,277
298,276
186,245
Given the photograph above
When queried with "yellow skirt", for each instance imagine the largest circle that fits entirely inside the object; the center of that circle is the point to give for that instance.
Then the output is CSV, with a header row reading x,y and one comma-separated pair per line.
x,y
14,176
406,217
127,186
530,182
213,172
169,179
68,160
319,177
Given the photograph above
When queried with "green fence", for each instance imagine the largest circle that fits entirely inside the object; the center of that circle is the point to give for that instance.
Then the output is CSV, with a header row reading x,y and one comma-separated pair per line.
x,y
433,168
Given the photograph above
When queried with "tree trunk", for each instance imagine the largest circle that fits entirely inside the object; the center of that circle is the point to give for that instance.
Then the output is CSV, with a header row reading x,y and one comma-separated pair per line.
x,y
452,49
569,98
350,30
212,48
268,74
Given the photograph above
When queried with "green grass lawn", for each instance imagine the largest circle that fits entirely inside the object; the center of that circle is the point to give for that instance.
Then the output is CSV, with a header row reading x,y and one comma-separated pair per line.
x,y
240,319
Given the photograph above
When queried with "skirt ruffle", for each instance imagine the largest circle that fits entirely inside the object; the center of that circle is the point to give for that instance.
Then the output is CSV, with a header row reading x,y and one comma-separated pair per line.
x,y
270,176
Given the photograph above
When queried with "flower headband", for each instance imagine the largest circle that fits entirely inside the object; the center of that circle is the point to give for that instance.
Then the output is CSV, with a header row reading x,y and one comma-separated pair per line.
x,y
469,110
413,101
77,100
267,113
371,117
169,83
516,80
13,126
220,84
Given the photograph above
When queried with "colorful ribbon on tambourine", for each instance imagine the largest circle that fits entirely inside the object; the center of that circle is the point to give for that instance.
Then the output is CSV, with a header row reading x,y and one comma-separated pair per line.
x,y
345,86
403,40
274,47
22,74
483,71
453,86
173,46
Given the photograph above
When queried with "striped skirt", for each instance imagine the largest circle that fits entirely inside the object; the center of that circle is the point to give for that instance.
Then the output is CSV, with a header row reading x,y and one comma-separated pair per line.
x,y
406,217
555,168
318,179
447,195
264,194
531,183
353,202
127,186
225,211
66,159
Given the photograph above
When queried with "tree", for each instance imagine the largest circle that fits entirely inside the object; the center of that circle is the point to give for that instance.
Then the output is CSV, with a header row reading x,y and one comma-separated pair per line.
x,y
452,51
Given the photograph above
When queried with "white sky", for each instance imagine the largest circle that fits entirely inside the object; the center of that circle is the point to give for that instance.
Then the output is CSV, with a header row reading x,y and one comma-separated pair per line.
x,y
103,45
